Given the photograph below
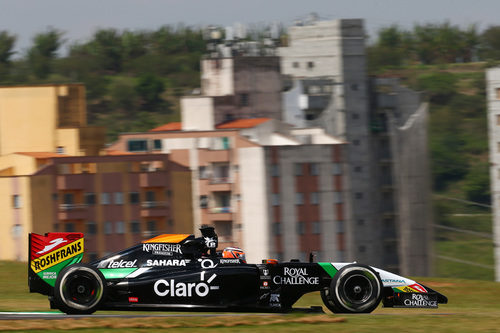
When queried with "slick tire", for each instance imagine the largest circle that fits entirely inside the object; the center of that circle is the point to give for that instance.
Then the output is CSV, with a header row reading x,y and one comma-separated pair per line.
x,y
354,289
79,289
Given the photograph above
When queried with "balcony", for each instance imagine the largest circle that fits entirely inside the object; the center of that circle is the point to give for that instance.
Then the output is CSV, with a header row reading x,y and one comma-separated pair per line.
x,y
153,179
72,212
220,214
154,208
72,182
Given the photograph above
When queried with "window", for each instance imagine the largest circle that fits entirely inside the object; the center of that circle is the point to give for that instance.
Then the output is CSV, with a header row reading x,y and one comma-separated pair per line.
x,y
118,198
16,201
361,222
275,199
498,119
336,169
150,196
275,171
108,228
120,227
355,142
316,228
497,90
224,228
299,198
203,201
358,195
314,198
69,227
362,248
137,145
90,228
298,169
358,169
203,172
151,225
340,227
89,198
301,228
157,144
314,169
295,64
60,150
134,197
277,228
105,198
355,116
310,64
68,198
135,227
244,100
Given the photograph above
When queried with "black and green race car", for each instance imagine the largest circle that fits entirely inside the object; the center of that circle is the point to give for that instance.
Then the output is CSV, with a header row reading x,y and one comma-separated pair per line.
x,y
182,272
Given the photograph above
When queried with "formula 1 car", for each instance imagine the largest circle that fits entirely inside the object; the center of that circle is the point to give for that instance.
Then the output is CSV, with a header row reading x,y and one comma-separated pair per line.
x,y
181,272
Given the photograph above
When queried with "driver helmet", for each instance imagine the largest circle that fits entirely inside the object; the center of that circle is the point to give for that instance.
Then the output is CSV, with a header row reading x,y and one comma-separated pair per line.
x,y
235,253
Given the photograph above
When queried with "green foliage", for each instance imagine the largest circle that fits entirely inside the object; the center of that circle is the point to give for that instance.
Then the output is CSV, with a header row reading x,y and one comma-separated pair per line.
x,y
477,184
441,86
123,96
490,43
7,42
43,52
150,87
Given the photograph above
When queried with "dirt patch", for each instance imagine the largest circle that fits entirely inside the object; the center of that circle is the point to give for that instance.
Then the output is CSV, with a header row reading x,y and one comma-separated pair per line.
x,y
160,323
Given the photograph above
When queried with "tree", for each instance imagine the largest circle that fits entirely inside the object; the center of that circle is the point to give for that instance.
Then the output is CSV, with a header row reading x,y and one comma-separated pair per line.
x,y
150,87
107,48
440,86
477,184
490,43
6,46
44,51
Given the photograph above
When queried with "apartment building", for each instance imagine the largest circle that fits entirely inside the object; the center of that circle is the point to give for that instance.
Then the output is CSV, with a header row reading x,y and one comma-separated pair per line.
x,y
53,179
493,99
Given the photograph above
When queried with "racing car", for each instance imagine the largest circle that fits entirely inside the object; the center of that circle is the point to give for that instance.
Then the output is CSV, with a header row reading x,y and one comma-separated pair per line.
x,y
184,272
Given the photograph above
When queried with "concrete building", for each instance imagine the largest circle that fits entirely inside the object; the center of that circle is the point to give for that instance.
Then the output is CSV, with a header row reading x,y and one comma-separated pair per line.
x,y
240,86
114,200
274,190
493,99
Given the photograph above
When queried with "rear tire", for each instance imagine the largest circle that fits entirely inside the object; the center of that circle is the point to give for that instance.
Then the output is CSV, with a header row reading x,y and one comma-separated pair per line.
x,y
354,289
79,289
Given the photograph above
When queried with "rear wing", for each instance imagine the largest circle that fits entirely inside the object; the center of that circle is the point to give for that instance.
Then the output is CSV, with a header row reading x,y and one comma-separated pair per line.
x,y
48,255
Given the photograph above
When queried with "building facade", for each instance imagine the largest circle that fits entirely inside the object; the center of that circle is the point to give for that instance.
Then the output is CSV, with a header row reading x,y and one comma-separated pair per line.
x,y
493,99
265,186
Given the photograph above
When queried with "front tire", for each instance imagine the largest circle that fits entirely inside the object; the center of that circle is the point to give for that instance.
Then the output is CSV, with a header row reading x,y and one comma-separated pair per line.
x,y
354,289
79,289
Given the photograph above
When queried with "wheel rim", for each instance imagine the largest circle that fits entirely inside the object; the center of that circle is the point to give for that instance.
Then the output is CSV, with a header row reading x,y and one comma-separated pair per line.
x,y
81,289
357,289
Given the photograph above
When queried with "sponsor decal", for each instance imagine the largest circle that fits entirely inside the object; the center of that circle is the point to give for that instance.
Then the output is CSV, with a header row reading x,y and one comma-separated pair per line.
x,y
133,299
265,285
392,281
418,287
274,300
164,249
265,271
57,256
210,242
118,264
229,261
295,276
49,275
53,243
167,262
207,263
171,288
420,301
